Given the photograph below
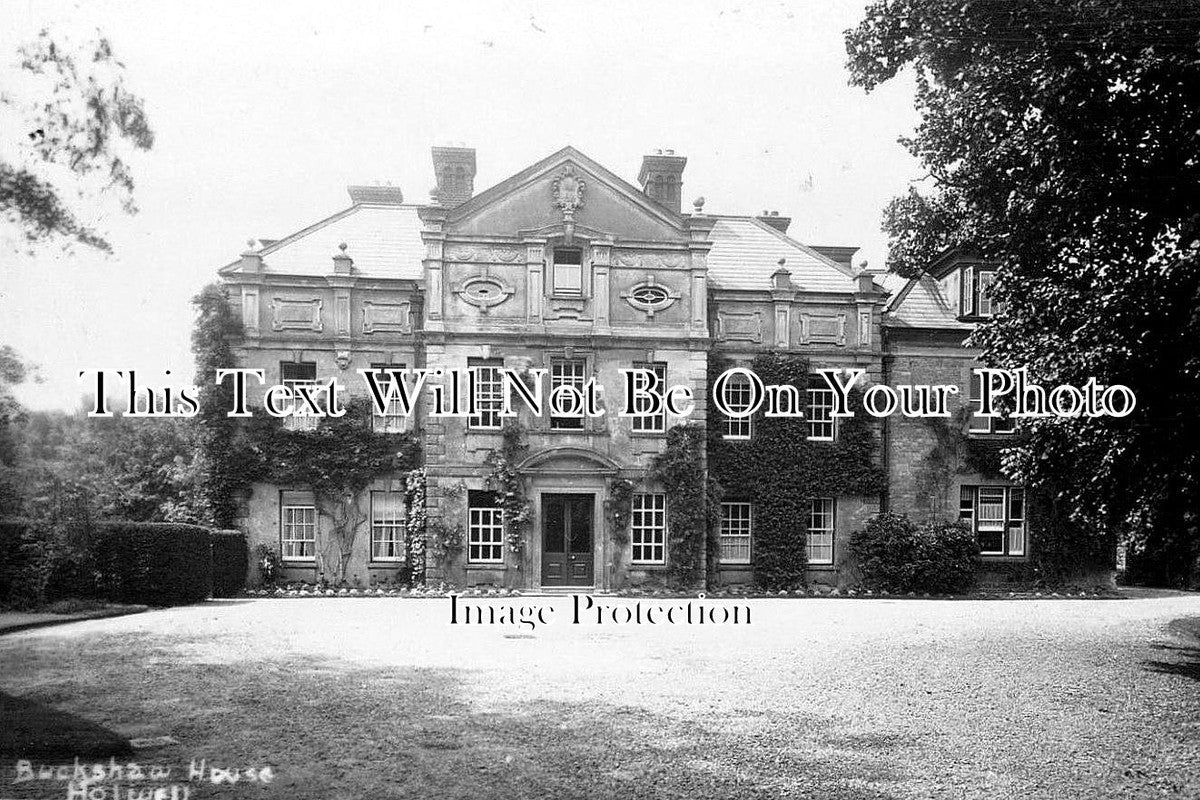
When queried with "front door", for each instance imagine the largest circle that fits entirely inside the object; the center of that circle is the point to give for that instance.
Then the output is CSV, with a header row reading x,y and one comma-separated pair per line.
x,y
567,556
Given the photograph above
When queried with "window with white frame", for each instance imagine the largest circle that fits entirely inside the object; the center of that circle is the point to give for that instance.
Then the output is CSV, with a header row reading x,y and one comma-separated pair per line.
x,y
654,423
567,271
981,424
567,372
997,516
975,294
487,386
387,526
295,374
821,423
819,540
648,528
393,421
735,533
297,526
485,528
738,395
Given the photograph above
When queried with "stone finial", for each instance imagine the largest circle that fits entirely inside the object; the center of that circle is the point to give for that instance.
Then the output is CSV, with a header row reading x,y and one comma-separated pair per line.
x,y
698,206
342,262
781,278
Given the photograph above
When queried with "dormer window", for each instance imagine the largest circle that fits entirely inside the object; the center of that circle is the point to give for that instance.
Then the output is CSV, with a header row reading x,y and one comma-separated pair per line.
x,y
568,271
976,294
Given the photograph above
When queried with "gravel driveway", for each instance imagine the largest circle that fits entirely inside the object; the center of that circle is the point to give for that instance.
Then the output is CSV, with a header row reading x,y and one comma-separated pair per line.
x,y
361,698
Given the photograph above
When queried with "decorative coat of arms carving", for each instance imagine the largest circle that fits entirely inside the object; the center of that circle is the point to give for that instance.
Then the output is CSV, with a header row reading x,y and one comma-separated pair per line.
x,y
567,190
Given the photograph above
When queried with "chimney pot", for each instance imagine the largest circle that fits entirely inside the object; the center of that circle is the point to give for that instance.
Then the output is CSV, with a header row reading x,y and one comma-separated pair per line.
x,y
376,194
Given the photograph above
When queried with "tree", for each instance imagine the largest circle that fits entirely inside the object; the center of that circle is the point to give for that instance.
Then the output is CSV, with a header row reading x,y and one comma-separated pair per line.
x,y
13,371
1062,141
74,125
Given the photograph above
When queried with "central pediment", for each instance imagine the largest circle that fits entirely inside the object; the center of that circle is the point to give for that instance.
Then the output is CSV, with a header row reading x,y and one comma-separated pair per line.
x,y
567,189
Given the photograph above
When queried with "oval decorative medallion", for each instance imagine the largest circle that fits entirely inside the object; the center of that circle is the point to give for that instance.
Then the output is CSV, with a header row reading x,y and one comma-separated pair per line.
x,y
484,291
650,297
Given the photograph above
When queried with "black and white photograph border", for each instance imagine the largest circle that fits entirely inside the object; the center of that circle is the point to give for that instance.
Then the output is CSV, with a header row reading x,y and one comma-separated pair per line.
x,y
736,399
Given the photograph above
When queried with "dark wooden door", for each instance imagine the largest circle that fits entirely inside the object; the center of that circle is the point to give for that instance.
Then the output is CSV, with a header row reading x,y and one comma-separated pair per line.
x,y
567,554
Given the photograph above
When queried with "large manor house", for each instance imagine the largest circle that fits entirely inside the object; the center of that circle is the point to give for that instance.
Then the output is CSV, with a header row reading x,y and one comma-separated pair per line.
x,y
568,267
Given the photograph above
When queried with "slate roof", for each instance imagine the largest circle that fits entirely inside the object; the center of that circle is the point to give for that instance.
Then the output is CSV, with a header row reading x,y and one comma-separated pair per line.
x,y
384,240
746,252
920,303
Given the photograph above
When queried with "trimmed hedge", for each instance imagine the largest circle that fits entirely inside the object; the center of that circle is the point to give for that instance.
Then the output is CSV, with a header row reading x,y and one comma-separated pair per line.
x,y
895,554
230,560
152,563
155,563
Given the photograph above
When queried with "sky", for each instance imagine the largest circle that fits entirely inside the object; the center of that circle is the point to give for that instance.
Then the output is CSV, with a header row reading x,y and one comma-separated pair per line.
x,y
264,113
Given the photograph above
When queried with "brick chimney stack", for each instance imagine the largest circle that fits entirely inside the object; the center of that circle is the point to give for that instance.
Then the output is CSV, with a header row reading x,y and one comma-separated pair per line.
x,y
777,222
661,177
454,168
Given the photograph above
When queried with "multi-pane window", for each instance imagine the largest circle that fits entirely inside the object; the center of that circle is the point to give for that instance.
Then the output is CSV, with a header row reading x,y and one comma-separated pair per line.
x,y
980,424
568,271
820,415
567,372
819,541
735,533
648,528
393,421
738,395
298,526
387,526
487,386
485,528
294,374
975,297
654,423
997,516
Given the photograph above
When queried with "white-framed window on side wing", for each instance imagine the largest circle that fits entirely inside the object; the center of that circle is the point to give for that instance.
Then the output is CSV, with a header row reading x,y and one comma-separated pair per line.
x,y
975,295
648,528
821,424
1002,424
738,395
819,539
996,514
736,531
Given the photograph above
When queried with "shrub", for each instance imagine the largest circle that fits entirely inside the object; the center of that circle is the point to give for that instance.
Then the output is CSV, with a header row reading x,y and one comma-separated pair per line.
x,y
895,554
155,563
270,567
230,560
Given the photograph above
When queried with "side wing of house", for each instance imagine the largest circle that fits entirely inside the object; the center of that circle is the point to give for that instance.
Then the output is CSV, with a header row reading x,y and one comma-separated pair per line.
x,y
949,468
772,294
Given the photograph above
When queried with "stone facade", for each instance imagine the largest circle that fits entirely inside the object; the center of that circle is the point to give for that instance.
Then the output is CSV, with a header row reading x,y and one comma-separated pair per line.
x,y
564,267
